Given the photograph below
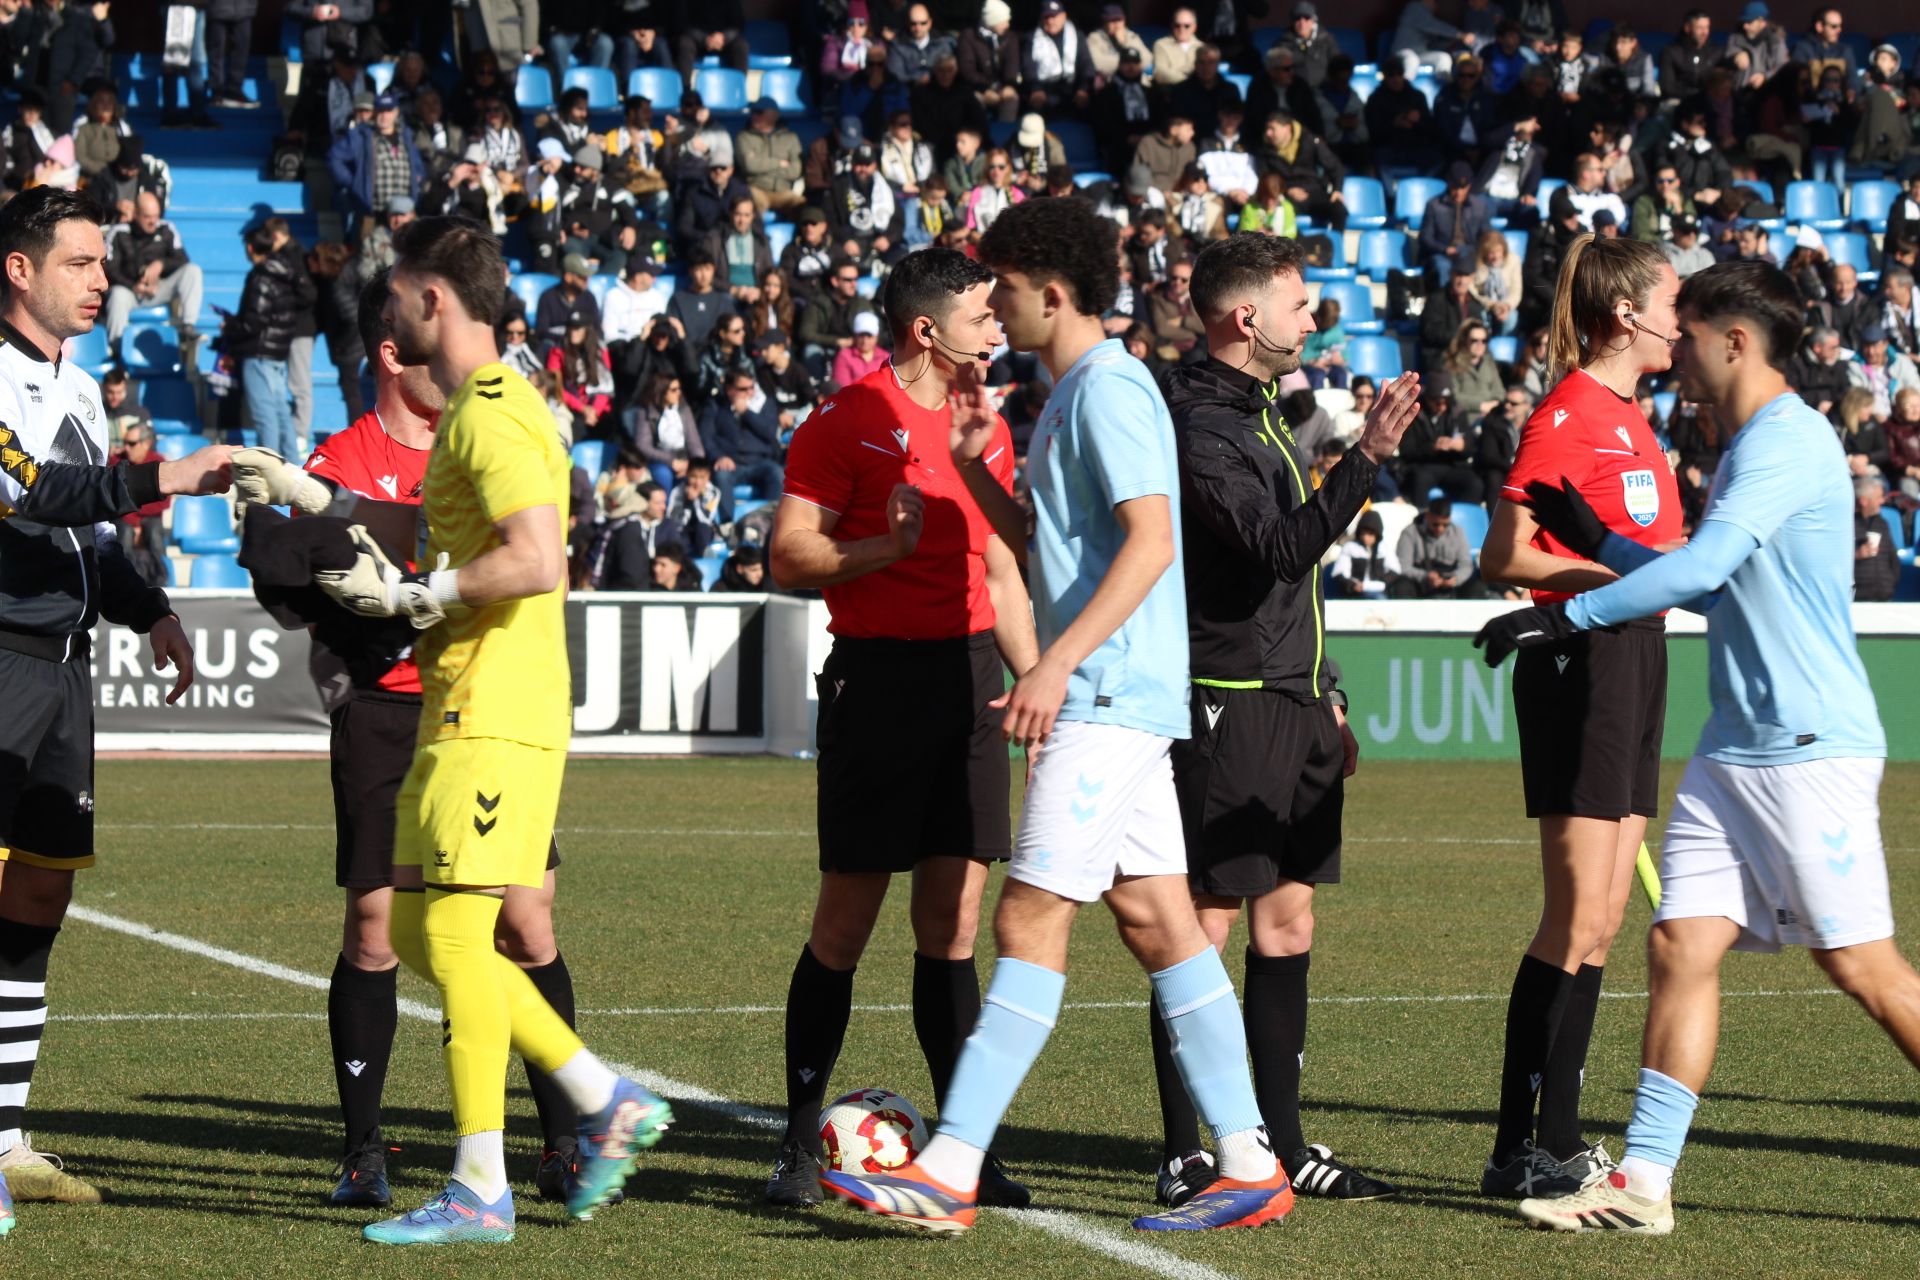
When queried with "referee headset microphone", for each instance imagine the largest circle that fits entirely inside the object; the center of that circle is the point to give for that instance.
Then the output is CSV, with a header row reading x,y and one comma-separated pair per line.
x,y
927,335
1633,318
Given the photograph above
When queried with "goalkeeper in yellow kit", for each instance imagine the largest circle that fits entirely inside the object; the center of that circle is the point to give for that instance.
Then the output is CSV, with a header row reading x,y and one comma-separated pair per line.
x,y
478,808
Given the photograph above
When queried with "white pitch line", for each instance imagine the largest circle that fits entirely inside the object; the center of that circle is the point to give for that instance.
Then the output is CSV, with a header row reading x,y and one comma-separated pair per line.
x,y
1071,1227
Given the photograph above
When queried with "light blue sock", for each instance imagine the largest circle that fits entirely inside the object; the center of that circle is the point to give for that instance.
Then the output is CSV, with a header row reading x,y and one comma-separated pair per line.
x,y
1662,1113
1016,1017
1209,1041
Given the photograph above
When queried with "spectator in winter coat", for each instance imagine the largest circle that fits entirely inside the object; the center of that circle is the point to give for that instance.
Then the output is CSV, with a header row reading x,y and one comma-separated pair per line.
x,y
555,307
912,53
1464,113
1452,224
146,267
259,335
696,307
989,57
698,506
768,155
1435,560
1876,570
747,439
865,218
1056,71
1366,567
1758,49
944,106
1688,59
372,163
704,205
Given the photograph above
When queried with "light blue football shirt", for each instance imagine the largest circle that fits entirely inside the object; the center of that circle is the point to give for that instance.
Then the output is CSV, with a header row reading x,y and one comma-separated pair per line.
x,y
1785,675
1106,438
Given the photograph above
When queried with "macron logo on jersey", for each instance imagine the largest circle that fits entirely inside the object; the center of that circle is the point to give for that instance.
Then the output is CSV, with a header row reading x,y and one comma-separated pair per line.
x,y
1626,437
1559,416
391,484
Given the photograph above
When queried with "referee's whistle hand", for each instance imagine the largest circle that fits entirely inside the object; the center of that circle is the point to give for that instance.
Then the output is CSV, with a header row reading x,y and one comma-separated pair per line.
x,y
1394,410
205,470
906,512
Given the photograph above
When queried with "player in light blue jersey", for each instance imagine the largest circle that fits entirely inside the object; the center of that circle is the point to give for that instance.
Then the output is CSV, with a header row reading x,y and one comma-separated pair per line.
x,y
1104,703
1775,833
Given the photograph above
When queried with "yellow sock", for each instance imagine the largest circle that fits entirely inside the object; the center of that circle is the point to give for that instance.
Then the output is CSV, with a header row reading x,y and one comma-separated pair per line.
x,y
406,930
540,1035
459,937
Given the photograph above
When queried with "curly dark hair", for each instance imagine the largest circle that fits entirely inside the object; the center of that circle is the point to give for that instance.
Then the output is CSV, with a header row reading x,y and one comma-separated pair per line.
x,y
1058,240
1246,262
927,283
1757,292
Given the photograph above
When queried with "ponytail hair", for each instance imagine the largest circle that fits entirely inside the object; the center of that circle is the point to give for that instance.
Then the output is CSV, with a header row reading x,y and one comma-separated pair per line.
x,y
1596,274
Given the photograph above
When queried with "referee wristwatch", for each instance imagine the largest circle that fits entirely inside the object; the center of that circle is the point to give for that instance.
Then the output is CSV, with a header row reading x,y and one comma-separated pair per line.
x,y
1338,697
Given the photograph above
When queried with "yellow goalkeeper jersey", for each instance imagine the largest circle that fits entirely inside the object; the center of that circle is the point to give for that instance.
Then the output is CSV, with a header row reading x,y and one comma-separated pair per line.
x,y
500,670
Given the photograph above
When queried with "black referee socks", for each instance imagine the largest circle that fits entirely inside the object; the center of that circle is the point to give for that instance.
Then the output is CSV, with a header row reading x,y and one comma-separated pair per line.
x,y
361,1015
1275,1006
557,1119
1559,1131
946,1004
1534,1013
819,1002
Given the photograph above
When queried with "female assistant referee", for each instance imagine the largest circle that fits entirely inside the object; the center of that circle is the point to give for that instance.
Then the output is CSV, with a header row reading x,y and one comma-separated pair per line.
x,y
1591,709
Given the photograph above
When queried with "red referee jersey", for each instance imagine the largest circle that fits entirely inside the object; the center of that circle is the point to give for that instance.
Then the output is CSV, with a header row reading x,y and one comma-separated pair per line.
x,y
1601,444
847,458
371,463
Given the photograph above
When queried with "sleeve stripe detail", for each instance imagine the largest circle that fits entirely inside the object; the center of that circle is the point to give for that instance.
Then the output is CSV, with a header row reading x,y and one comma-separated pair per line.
x,y
810,502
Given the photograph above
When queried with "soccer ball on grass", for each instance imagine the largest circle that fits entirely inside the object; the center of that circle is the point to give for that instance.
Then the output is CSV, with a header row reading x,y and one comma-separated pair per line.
x,y
871,1131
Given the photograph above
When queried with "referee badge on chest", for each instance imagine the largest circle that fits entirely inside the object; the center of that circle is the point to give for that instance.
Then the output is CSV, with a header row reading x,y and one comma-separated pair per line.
x,y
1641,495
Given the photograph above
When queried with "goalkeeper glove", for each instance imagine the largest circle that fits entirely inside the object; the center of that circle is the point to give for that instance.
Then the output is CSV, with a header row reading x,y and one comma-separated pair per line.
x,y
1564,513
1523,629
375,587
264,478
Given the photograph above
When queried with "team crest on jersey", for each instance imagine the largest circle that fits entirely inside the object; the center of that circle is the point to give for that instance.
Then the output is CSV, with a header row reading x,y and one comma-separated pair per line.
x,y
88,406
33,391
1641,495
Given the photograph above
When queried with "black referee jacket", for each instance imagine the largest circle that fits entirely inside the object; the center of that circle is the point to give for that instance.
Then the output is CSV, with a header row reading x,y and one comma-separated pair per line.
x,y
1254,529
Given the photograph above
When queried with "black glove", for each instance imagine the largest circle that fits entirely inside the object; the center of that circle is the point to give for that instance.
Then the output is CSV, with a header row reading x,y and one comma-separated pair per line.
x,y
1523,629
1565,514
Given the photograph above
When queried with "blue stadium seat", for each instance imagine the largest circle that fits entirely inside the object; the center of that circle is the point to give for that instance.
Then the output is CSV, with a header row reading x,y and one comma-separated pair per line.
x,y
533,87
1851,248
329,416
599,285
723,89
867,286
380,74
1762,189
1907,43
151,350
1410,197
767,46
1504,348
1870,202
1238,80
169,399
603,91
787,86
590,456
1264,38
1084,178
779,236
1366,202
1356,306
1546,189
203,524
1655,43
1382,253
91,352
1909,585
1000,132
1352,42
1338,269
1374,357
658,85
175,447
1471,517
529,285
1861,44
1517,242
1365,82
1077,138
710,567
1664,403
1815,202
1428,84
218,569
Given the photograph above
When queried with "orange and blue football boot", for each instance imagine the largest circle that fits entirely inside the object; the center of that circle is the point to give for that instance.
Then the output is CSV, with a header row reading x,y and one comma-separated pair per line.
x,y
611,1141
457,1216
1229,1202
905,1195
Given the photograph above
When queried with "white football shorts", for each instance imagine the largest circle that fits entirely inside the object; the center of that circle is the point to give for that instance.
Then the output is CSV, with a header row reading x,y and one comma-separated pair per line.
x,y
1791,853
1101,806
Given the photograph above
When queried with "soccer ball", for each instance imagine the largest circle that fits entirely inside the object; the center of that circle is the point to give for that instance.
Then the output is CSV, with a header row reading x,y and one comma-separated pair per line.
x,y
871,1131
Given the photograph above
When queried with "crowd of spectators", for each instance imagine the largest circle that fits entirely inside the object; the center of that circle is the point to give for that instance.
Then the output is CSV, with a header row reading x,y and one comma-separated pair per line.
x,y
715,272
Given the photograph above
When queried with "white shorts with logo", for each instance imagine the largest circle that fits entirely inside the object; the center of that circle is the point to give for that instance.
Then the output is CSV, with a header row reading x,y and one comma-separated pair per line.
x,y
1791,853
1101,806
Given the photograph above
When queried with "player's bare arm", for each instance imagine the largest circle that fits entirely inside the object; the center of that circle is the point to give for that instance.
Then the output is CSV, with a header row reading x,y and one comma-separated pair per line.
x,y
804,554
531,560
1509,556
1146,552
1012,612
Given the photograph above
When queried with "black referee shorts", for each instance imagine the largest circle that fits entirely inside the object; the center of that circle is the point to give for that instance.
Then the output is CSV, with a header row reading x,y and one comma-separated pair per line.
x,y
46,761
912,764
1591,711
374,734
1262,787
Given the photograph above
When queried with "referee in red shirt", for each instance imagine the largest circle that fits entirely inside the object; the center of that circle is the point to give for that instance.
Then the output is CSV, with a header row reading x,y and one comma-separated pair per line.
x,y
1590,710
926,604
373,473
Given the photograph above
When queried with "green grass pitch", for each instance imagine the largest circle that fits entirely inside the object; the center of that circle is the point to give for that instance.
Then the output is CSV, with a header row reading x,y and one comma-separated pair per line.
x,y
200,1092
